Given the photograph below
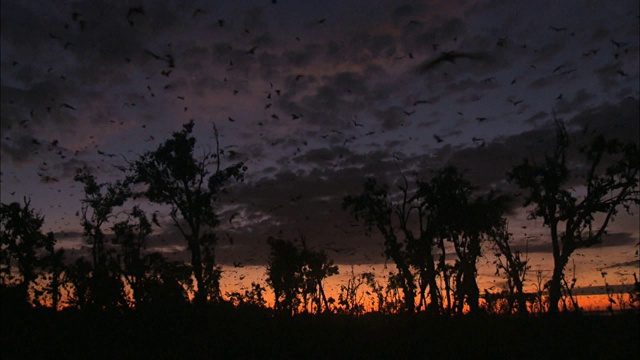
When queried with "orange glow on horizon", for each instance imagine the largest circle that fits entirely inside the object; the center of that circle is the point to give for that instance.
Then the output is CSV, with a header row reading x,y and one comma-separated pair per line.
x,y
332,285
239,280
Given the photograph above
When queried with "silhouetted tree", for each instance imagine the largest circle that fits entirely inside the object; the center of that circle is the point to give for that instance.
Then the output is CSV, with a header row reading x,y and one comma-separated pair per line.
x,y
485,223
55,275
316,268
393,301
21,245
634,293
98,204
130,236
79,274
284,274
570,214
296,275
438,211
361,287
447,196
466,220
190,186
350,297
380,301
514,266
162,285
375,207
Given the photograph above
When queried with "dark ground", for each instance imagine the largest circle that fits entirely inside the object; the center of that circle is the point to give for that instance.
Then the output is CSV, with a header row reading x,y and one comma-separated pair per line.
x,y
229,333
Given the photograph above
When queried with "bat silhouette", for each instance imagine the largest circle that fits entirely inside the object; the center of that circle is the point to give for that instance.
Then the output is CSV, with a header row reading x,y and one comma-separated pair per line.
x,y
451,57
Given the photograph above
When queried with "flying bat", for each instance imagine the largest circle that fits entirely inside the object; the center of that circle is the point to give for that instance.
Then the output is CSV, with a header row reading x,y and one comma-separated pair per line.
x,y
168,58
451,57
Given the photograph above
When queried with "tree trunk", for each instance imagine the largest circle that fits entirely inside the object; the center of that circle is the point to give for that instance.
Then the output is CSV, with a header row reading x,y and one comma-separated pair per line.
x,y
422,303
446,277
323,296
434,295
55,292
554,290
408,288
408,285
473,293
520,296
196,263
555,285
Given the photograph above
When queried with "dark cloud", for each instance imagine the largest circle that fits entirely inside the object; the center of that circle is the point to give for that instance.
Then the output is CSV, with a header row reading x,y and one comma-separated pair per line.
x,y
539,116
616,121
617,239
602,290
313,106
632,263
540,245
392,118
579,101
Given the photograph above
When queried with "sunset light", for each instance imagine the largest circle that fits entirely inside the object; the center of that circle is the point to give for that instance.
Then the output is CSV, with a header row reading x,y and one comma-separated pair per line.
x,y
399,179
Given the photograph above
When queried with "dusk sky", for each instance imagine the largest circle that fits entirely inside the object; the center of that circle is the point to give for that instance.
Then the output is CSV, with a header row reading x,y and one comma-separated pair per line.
x,y
314,97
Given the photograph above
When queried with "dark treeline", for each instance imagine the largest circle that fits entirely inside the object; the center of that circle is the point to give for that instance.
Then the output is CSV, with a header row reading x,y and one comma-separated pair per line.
x,y
223,331
419,222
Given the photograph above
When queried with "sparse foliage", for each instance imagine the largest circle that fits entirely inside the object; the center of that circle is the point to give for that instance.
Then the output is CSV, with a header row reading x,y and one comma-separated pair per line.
x,y
141,271
101,199
438,212
514,266
375,207
610,180
350,299
174,175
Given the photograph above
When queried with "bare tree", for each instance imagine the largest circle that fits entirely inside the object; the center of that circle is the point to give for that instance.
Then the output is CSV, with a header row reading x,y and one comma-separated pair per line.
x,y
350,299
610,180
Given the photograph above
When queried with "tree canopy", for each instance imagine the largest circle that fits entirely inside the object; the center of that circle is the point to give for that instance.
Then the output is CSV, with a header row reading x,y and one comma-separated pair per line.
x,y
174,175
569,199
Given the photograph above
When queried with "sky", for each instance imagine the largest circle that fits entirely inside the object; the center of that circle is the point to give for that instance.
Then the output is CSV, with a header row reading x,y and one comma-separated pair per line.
x,y
314,97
